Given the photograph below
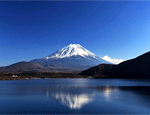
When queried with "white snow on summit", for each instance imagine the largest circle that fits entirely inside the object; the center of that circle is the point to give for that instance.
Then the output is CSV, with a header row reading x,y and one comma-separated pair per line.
x,y
72,50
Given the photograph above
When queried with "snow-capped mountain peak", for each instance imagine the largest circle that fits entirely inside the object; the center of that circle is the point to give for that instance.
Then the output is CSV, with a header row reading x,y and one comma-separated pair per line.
x,y
72,50
72,56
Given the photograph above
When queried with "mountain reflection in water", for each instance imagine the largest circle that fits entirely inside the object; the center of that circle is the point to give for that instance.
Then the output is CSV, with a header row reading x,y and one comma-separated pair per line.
x,y
76,97
73,97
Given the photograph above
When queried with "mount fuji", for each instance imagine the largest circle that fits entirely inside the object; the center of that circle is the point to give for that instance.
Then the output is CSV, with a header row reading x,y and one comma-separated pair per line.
x,y
71,56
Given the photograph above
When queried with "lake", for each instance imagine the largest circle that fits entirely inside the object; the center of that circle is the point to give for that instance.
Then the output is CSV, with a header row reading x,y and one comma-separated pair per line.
x,y
74,96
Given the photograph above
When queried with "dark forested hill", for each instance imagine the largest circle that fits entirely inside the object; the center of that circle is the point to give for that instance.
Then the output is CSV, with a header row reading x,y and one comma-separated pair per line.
x,y
138,67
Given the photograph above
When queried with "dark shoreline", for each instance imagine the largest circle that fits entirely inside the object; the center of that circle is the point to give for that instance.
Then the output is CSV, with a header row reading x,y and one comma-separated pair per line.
x,y
37,75
46,75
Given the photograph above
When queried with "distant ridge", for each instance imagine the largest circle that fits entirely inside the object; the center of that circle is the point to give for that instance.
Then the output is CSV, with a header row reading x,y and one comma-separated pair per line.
x,y
22,66
25,65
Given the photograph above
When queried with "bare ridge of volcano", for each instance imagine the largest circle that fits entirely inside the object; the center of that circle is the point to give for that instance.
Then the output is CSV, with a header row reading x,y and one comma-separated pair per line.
x,y
73,55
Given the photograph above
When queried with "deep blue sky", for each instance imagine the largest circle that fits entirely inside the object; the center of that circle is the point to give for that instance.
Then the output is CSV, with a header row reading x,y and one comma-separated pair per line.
x,y
30,30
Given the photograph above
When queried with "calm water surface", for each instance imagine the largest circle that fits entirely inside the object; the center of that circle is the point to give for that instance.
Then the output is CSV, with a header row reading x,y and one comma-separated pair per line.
x,y
74,96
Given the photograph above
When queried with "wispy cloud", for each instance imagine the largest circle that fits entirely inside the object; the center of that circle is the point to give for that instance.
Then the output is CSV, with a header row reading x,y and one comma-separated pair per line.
x,y
115,61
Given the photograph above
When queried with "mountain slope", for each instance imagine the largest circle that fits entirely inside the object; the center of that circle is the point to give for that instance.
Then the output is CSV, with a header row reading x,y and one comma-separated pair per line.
x,y
138,67
74,55
99,70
